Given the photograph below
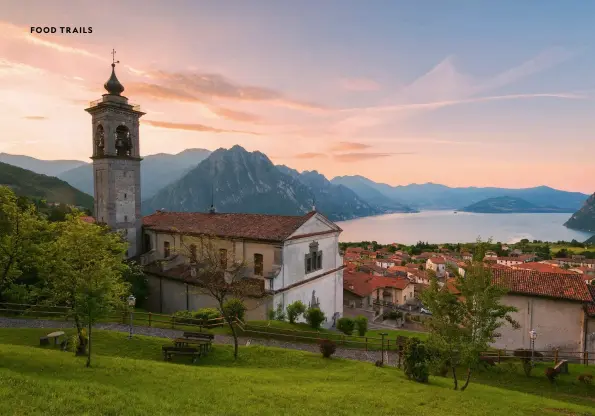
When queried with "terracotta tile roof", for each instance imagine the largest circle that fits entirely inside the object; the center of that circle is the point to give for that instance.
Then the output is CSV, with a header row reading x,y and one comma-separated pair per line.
x,y
399,269
553,285
437,260
88,219
249,226
577,261
363,284
542,267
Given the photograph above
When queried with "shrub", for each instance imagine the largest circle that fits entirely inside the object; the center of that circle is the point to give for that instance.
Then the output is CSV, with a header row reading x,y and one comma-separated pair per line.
x,y
378,363
585,378
327,348
394,315
415,362
271,314
294,310
361,324
234,307
526,359
551,374
280,313
315,317
346,325
204,316
184,317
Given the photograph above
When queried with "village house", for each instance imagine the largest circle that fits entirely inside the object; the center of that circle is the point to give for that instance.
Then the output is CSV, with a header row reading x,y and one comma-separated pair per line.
x,y
491,254
386,263
292,258
437,264
419,276
553,304
577,261
541,267
364,291
510,261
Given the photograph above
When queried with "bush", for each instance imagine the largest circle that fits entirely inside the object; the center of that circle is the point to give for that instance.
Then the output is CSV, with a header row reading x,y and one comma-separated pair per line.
x,y
315,317
394,315
271,314
234,307
585,379
526,359
204,316
294,310
415,362
280,313
327,348
184,317
361,324
346,325
551,374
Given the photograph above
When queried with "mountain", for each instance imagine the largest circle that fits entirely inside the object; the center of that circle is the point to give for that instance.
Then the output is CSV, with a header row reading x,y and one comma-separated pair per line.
x,y
43,167
508,205
584,218
34,185
364,190
434,196
157,171
240,181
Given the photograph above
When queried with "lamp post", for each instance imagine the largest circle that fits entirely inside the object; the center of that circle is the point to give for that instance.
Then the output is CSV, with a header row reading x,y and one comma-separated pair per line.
x,y
131,303
383,334
533,337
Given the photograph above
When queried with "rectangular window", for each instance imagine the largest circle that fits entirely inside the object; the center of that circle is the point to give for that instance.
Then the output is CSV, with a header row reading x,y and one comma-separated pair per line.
x,y
193,252
319,260
166,251
147,241
125,218
223,258
308,263
313,260
258,264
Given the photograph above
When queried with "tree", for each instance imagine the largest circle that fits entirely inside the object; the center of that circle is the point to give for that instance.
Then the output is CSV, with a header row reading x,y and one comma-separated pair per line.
x,y
220,276
294,310
83,270
466,317
139,285
20,230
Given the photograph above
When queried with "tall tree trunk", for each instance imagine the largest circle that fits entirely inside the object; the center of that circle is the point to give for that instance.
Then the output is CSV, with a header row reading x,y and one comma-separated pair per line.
x,y
235,339
454,377
89,354
468,378
81,348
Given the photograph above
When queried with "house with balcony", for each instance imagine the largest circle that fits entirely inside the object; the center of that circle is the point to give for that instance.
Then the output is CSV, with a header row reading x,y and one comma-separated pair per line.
x,y
362,290
288,258
437,264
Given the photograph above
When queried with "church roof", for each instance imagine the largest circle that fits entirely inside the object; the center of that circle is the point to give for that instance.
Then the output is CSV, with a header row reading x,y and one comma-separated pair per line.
x,y
113,86
248,226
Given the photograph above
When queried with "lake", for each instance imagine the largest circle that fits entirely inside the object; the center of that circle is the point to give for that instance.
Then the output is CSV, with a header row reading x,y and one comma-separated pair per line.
x,y
464,227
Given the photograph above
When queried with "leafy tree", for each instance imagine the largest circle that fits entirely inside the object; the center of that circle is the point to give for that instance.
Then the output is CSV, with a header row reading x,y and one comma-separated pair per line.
x,y
221,276
315,317
346,325
20,231
294,310
139,284
235,308
361,324
561,254
83,270
280,313
466,318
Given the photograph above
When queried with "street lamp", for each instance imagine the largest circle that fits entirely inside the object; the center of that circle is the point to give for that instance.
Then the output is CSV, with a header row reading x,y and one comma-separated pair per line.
x,y
131,303
533,337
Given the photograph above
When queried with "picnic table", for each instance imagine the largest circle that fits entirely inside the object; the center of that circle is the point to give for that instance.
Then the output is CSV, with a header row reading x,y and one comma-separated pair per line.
x,y
53,335
203,344
169,351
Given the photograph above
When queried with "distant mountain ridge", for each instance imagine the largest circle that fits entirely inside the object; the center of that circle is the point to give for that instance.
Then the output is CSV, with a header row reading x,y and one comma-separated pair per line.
x,y
236,180
508,205
37,186
157,171
43,167
432,196
584,218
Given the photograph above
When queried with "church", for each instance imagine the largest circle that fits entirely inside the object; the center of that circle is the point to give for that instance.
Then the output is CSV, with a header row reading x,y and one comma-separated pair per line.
x,y
289,257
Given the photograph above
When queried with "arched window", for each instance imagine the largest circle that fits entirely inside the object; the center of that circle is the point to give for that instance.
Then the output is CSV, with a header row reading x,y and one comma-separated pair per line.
x,y
99,141
123,141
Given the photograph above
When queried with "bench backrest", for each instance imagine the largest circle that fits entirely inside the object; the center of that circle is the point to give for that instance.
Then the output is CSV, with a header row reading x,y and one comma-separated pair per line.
x,y
202,335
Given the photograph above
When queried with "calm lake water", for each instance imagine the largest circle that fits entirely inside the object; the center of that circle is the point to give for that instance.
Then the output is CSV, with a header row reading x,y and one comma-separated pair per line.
x,y
448,227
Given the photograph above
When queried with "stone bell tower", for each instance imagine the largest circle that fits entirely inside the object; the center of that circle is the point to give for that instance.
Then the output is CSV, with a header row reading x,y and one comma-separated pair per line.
x,y
116,162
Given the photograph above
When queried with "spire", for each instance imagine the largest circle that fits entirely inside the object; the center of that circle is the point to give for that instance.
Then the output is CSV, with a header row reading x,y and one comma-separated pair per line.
x,y
313,204
112,85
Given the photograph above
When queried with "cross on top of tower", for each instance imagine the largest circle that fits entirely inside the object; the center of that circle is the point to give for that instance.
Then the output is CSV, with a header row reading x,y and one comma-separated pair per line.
x,y
114,62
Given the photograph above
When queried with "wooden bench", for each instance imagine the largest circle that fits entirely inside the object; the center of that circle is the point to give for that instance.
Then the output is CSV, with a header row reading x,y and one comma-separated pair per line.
x,y
169,352
54,335
203,344
199,335
562,367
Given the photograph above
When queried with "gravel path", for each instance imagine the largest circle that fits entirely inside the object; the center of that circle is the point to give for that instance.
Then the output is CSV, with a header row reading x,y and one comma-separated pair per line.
x,y
348,353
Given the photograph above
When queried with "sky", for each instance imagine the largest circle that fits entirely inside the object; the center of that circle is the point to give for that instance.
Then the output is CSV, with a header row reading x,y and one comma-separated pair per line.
x,y
463,93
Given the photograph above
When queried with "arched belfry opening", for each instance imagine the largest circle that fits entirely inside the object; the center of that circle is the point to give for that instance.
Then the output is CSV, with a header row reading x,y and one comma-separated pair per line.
x,y
123,141
99,141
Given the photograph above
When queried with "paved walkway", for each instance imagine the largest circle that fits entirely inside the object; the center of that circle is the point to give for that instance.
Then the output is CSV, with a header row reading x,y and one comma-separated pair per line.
x,y
348,353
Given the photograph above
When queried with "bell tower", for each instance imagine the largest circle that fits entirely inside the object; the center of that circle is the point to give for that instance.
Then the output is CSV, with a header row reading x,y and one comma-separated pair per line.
x,y
116,162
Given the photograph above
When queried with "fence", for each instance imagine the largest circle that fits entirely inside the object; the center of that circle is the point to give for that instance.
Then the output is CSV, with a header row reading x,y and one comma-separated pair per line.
x,y
305,336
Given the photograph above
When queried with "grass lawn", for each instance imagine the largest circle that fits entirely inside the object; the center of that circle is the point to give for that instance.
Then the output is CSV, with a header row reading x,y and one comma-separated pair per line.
x,y
128,377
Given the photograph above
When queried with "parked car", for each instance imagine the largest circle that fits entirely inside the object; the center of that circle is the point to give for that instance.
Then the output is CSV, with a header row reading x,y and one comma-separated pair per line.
x,y
424,310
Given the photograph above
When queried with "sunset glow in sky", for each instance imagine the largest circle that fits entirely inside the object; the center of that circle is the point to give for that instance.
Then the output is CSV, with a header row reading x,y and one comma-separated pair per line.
x,y
462,93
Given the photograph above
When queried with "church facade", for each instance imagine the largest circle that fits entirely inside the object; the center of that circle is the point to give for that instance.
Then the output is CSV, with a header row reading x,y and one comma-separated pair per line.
x,y
290,257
